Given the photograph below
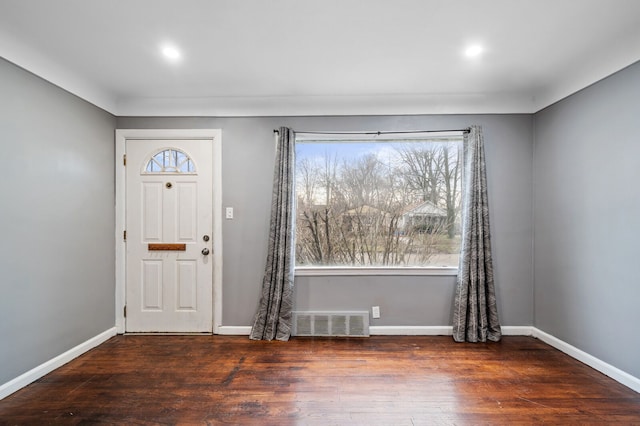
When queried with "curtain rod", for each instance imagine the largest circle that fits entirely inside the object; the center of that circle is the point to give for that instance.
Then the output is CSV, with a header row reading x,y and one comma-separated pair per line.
x,y
465,130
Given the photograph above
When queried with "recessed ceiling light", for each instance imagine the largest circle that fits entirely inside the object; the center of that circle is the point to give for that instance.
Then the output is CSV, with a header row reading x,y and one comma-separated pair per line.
x,y
171,53
473,51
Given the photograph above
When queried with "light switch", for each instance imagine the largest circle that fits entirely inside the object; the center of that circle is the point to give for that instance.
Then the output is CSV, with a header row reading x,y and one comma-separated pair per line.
x,y
229,213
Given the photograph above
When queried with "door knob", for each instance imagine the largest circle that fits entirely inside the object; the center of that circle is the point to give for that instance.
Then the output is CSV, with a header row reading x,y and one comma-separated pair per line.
x,y
205,251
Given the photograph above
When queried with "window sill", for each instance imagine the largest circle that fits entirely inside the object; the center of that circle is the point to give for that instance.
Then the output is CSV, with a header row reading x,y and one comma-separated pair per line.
x,y
338,271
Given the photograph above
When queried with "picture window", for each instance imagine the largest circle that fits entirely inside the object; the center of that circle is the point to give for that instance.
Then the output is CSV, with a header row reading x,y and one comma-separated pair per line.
x,y
378,202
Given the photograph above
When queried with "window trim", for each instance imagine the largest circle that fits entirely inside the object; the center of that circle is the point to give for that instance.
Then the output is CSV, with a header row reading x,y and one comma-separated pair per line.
x,y
357,137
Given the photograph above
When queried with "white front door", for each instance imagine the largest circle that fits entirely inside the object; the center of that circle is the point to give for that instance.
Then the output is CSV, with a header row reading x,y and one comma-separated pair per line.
x,y
169,241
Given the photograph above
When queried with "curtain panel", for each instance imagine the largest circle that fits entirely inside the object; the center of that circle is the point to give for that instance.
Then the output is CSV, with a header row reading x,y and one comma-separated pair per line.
x,y
475,315
273,319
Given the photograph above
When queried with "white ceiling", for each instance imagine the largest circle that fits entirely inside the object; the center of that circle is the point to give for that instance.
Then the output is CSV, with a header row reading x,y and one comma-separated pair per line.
x,y
320,57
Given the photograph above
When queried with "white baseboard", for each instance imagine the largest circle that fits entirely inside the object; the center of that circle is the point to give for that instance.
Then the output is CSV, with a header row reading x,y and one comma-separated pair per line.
x,y
517,330
395,330
35,373
410,330
373,330
442,330
231,330
615,373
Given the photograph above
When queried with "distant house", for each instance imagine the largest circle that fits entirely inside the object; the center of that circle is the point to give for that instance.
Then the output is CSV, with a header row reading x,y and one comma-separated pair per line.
x,y
423,217
365,211
364,215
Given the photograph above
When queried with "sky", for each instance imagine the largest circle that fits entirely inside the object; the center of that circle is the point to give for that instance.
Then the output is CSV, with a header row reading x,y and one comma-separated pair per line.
x,y
345,150
351,150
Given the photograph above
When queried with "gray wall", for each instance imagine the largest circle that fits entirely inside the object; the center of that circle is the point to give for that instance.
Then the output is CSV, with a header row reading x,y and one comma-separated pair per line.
x,y
587,220
248,152
57,218
57,249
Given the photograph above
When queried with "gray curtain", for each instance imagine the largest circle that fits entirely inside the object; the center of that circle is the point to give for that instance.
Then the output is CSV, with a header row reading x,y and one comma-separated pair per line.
x,y
475,315
273,319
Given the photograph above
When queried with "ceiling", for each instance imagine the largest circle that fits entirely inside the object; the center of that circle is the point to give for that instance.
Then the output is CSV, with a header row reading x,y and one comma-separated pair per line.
x,y
312,57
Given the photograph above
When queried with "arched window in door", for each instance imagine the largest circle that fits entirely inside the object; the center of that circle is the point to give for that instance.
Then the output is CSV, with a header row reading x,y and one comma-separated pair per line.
x,y
170,160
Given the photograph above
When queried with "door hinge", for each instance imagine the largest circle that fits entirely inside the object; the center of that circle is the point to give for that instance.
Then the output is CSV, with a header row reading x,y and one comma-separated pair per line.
x,y
125,311
124,160
124,235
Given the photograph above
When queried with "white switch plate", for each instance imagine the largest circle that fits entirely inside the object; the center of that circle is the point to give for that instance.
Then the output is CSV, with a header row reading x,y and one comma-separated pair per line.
x,y
375,311
229,213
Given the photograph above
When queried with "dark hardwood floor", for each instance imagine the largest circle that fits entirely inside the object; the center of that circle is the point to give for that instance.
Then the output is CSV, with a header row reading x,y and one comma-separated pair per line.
x,y
141,380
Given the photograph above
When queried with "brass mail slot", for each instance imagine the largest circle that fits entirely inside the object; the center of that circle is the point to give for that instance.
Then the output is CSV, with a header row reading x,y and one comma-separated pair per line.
x,y
170,247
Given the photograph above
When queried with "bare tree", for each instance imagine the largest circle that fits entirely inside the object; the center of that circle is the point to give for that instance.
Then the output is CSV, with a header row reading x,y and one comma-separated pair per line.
x,y
352,212
315,224
450,170
434,172
308,180
421,170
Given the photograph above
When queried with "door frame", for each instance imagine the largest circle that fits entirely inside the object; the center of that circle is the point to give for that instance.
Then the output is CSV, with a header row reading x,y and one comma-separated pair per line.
x,y
122,136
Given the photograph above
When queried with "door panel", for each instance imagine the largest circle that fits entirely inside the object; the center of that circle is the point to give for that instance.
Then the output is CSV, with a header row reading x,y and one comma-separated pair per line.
x,y
187,208
152,211
187,285
169,290
151,285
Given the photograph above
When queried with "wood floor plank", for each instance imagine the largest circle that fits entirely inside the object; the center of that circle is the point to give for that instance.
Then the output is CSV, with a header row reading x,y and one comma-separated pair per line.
x,y
381,380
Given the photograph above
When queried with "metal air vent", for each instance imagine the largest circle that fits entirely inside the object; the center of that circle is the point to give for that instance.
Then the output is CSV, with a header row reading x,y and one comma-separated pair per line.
x,y
339,324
